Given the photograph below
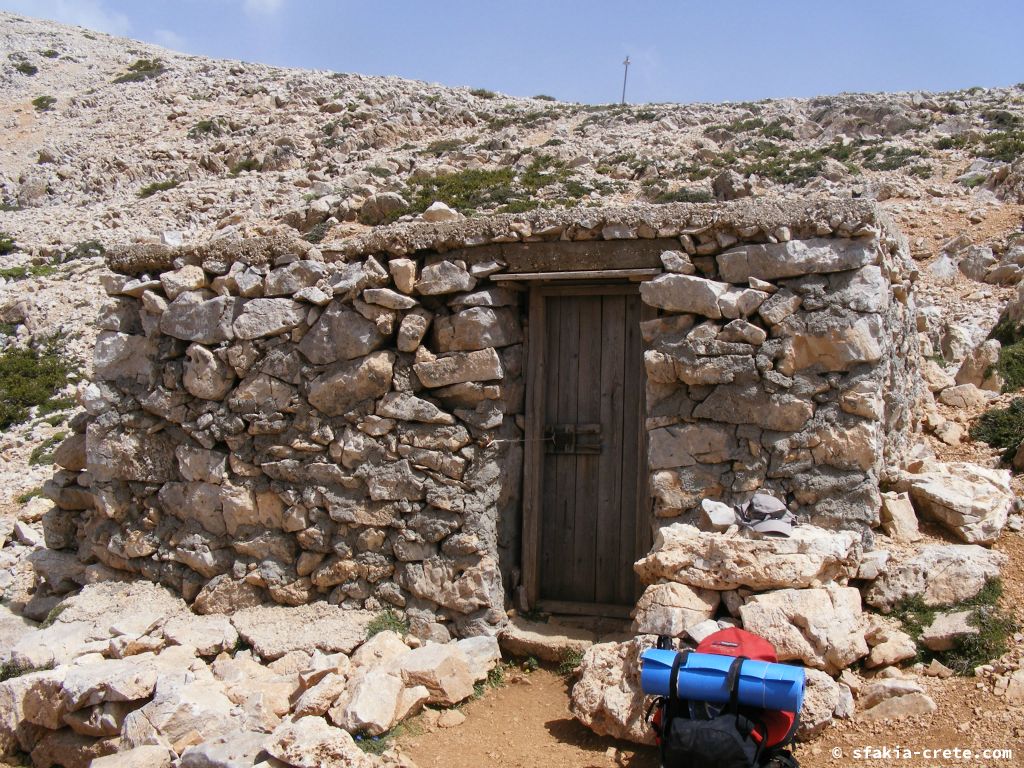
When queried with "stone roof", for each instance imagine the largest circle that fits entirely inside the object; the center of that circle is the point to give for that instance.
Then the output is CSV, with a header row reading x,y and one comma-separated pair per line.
x,y
747,219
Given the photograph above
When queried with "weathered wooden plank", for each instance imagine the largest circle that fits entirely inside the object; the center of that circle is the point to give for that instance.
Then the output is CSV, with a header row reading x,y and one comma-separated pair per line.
x,y
561,255
568,364
631,425
610,483
588,411
533,453
600,274
573,608
550,556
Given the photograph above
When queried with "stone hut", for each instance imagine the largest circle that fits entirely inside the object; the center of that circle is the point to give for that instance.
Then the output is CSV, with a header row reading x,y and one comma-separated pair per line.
x,y
452,418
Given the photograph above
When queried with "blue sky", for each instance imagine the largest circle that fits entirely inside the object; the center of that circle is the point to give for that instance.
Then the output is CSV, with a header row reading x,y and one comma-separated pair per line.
x,y
682,51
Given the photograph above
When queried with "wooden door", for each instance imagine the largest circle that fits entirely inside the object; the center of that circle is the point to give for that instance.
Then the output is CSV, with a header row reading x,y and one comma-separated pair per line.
x,y
591,486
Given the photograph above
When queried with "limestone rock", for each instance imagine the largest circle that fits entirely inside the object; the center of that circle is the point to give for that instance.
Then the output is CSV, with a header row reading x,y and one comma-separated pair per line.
x,y
309,742
369,703
275,630
684,293
222,594
896,647
899,520
947,629
963,396
821,698
669,609
823,627
340,334
547,642
707,560
443,669
607,697
268,317
344,385
457,367
209,635
444,277
909,705
439,212
477,328
235,750
940,574
750,404
206,376
146,756
205,322
979,367
771,261
971,501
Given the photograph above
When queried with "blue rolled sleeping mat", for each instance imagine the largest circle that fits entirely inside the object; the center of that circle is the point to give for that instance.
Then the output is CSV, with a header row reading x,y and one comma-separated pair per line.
x,y
704,677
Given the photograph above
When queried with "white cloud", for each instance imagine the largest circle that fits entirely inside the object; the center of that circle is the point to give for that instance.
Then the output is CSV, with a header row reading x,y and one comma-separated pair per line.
x,y
262,7
169,39
85,13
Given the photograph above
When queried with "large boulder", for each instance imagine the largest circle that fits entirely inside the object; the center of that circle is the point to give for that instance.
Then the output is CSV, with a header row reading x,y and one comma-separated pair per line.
x,y
971,501
273,631
310,742
793,258
822,627
711,560
939,574
671,608
607,697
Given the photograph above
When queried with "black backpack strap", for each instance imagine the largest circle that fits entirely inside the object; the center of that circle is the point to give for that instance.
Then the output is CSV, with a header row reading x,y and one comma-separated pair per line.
x,y
732,681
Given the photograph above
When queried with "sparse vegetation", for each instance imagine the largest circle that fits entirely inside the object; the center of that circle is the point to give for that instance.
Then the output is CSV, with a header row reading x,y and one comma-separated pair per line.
x,y
43,103
27,496
158,186
43,453
56,611
86,249
1006,146
387,620
10,670
682,195
26,69
30,378
545,97
49,53
7,244
495,679
995,625
482,93
33,270
1002,428
570,662
248,164
317,233
206,128
143,69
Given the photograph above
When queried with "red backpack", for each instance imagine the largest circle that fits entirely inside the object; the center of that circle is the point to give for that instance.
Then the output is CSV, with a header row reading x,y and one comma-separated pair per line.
x,y
769,730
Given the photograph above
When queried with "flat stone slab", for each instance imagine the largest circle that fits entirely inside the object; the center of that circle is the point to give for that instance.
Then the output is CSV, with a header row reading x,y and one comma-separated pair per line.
x,y
547,642
273,631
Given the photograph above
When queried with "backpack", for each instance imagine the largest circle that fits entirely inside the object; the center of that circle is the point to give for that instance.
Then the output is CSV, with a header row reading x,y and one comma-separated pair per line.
x,y
692,734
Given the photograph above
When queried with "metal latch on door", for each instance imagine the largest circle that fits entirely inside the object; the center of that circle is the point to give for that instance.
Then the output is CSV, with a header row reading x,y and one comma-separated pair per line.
x,y
572,438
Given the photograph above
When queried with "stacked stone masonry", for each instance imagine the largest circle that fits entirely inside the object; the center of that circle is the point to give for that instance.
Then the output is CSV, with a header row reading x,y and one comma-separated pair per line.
x,y
302,424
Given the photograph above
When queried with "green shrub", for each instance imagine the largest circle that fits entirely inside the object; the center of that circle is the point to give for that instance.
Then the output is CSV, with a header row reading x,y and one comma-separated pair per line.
x,y
26,69
996,627
249,164
158,186
7,244
441,146
317,233
1000,118
31,378
43,103
49,53
682,195
27,496
379,172
495,679
34,270
952,142
1003,145
86,249
545,97
10,670
922,171
1002,428
205,128
570,662
482,93
43,453
778,130
890,158
387,620
143,69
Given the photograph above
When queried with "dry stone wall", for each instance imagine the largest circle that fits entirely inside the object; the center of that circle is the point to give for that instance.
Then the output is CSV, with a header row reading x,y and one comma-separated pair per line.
x,y
274,421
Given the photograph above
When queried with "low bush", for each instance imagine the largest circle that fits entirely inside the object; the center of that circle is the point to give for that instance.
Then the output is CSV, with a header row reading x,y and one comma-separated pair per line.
x,y
43,103
1002,428
317,233
248,164
482,93
43,453
206,128
387,620
31,378
49,53
26,69
143,69
7,244
158,186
